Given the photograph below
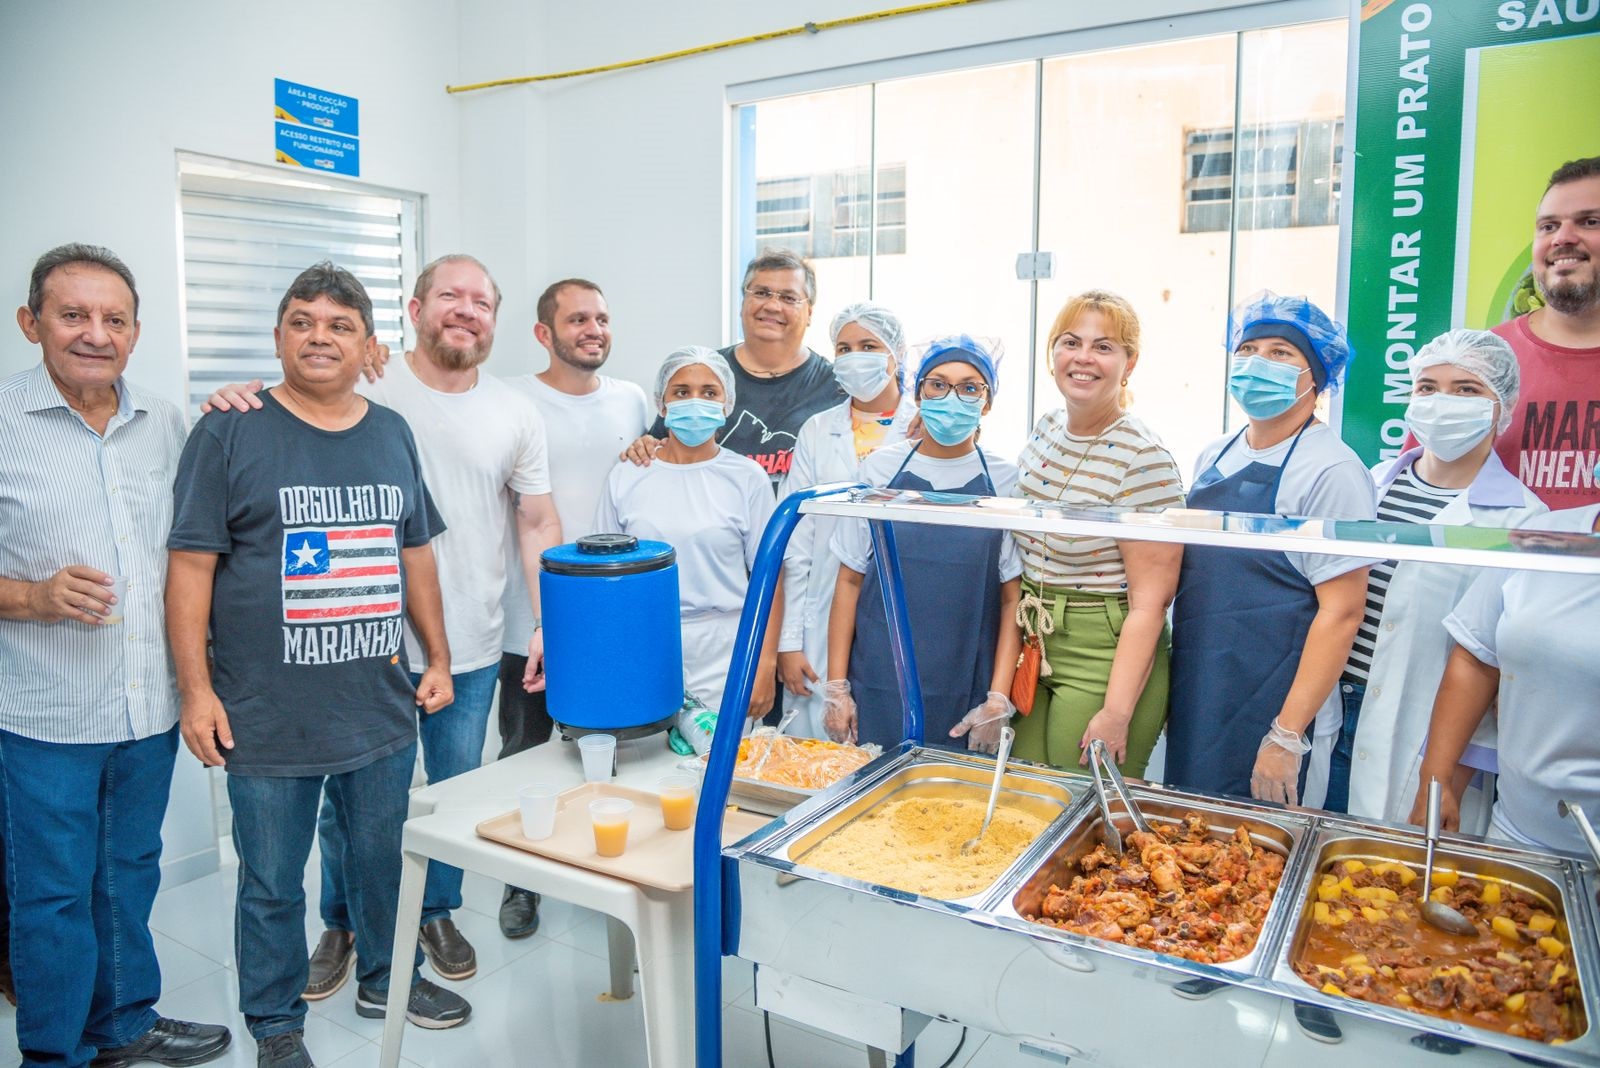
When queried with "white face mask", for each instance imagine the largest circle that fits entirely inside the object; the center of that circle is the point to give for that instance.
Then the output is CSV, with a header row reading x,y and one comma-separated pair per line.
x,y
1450,426
862,374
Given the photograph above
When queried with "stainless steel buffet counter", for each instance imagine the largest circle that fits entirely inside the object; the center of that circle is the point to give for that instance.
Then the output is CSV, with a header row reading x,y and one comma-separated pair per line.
x,y
1063,995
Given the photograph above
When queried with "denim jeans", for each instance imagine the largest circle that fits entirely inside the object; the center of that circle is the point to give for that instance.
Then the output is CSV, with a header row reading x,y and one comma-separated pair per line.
x,y
452,743
1338,800
274,818
83,863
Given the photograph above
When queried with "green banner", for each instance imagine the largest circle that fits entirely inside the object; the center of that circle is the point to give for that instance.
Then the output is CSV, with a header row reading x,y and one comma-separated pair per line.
x,y
1463,109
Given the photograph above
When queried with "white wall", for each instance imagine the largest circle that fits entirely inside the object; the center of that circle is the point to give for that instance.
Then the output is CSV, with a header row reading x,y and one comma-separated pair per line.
x,y
96,99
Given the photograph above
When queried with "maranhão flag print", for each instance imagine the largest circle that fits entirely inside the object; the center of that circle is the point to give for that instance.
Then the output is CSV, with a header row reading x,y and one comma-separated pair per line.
x,y
338,574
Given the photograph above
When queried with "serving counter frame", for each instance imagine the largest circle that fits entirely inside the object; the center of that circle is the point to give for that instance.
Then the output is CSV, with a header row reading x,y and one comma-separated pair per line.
x,y
748,896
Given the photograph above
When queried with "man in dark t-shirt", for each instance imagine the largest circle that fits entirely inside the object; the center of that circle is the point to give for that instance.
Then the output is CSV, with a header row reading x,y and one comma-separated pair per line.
x,y
301,539
779,381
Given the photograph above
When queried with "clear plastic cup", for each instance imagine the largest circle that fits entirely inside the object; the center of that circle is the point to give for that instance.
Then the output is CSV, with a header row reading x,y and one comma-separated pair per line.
x,y
677,800
599,756
538,803
610,818
119,589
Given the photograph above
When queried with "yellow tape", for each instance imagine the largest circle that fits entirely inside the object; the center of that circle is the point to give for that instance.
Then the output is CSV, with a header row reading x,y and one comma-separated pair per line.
x,y
682,53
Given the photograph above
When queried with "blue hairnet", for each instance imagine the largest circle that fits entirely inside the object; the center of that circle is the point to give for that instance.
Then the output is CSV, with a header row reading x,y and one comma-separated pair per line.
x,y
882,324
1330,347
688,356
963,348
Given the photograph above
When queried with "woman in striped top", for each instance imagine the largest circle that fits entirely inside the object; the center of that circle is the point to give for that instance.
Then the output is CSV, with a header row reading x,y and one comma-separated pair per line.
x,y
1100,603
1464,390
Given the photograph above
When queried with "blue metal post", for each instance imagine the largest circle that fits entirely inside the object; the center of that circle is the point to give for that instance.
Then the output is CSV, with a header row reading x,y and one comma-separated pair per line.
x,y
708,871
887,559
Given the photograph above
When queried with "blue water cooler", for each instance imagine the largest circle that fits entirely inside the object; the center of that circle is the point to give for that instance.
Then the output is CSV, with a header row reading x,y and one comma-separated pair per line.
x,y
613,649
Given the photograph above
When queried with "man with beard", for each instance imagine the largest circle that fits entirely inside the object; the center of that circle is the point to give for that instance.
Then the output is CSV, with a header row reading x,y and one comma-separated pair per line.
x,y
481,443
1553,443
589,418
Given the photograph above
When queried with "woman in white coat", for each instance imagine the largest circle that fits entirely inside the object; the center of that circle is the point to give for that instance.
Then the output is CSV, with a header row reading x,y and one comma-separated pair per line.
x,y
869,355
1464,390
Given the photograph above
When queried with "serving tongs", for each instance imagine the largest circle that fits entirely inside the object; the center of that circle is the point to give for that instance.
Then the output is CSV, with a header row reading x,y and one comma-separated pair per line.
x,y
1104,769
1581,818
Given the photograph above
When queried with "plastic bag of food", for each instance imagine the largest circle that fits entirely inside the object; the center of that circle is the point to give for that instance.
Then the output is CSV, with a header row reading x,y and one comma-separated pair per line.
x,y
696,724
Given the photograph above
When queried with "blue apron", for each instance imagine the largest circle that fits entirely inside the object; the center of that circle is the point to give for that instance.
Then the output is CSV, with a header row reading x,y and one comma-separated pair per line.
x,y
1239,622
952,584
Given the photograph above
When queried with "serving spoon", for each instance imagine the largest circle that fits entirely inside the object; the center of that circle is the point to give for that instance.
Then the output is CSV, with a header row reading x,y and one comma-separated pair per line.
x,y
1437,913
1007,736
783,725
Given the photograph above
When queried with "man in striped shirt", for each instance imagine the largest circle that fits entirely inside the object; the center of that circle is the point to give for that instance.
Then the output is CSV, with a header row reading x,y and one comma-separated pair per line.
x,y
88,711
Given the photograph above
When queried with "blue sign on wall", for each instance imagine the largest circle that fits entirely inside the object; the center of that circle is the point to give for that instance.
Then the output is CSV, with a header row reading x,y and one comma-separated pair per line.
x,y
309,147
308,106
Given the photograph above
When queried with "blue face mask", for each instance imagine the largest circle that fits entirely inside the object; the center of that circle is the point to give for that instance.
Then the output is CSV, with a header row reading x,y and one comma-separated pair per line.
x,y
1263,387
949,419
694,421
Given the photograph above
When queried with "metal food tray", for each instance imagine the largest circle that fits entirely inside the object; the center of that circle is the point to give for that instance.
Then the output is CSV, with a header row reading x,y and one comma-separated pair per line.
x,y
1278,831
1044,796
1556,880
768,798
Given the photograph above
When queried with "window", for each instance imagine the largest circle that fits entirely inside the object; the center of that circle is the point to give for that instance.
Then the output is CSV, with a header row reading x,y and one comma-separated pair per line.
x,y
247,231
1289,175
830,215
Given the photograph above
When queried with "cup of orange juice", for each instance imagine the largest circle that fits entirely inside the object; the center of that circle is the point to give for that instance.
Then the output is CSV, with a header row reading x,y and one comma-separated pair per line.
x,y
677,800
610,818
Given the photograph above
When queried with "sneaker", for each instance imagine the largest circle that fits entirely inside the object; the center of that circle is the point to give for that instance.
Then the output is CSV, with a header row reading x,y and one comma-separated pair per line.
x,y
287,1050
450,954
519,912
175,1042
331,964
430,1005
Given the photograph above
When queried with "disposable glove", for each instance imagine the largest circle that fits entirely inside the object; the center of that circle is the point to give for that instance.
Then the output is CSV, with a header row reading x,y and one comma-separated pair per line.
x,y
982,725
1276,776
839,711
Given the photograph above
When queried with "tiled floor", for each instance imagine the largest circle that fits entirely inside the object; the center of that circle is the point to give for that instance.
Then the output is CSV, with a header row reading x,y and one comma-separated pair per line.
x,y
536,1003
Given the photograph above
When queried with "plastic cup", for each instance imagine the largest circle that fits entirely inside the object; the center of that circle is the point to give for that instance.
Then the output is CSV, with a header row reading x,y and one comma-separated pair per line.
x,y
610,818
538,803
119,589
677,800
599,756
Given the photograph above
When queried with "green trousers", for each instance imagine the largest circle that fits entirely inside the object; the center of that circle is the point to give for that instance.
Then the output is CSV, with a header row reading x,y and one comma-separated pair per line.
x,y
1079,653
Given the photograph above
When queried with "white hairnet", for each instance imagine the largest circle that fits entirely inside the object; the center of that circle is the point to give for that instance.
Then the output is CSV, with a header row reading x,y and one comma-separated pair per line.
x,y
688,356
1481,353
880,321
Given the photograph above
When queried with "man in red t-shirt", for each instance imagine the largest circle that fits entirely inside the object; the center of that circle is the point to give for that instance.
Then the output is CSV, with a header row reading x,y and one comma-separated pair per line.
x,y
1553,443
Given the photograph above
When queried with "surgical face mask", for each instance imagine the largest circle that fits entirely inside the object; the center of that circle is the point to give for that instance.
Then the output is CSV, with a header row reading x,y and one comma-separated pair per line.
x,y
949,419
694,421
862,374
1450,426
1264,388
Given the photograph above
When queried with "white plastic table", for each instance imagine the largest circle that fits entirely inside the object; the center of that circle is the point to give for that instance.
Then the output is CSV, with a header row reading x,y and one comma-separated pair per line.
x,y
656,926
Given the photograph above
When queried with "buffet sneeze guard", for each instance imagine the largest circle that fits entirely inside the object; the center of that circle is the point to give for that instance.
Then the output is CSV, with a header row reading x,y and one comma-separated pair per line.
x,y
883,961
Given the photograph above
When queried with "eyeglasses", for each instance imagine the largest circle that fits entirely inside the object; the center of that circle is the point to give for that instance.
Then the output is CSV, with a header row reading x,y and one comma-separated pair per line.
x,y
761,294
971,392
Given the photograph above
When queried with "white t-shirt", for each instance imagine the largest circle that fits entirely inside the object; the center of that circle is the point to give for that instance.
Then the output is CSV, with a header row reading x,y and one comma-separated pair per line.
x,y
1325,479
477,447
711,512
1539,630
852,542
586,435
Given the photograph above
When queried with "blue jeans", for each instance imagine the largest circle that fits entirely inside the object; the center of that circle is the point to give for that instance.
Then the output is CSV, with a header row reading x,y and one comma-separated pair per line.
x,y
274,818
1351,693
83,863
452,743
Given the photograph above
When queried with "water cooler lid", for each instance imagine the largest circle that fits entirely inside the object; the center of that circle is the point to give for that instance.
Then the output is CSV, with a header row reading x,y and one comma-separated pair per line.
x,y
607,554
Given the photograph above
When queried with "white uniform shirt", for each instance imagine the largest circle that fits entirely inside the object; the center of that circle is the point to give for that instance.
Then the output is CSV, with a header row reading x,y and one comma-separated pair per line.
x,y
712,512
1325,479
852,541
1412,646
477,447
1539,629
585,436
